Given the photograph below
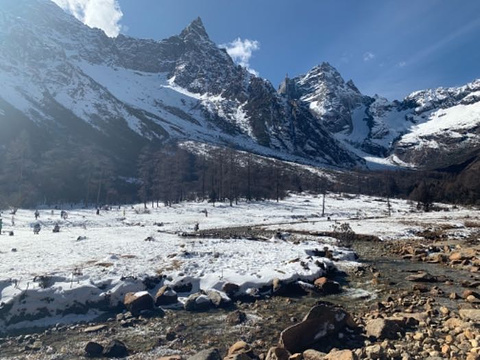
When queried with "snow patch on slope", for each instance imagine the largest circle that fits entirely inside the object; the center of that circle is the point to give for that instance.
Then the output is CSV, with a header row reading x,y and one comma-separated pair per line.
x,y
453,122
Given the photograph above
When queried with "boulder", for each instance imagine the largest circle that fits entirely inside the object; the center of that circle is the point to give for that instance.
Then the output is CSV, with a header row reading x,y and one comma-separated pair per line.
x,y
197,302
383,328
453,323
284,288
183,286
137,302
472,315
277,287
218,299
240,347
473,299
208,354
341,355
311,354
468,293
277,353
456,256
166,296
322,320
230,289
240,351
93,349
326,286
236,317
115,349
375,351
437,258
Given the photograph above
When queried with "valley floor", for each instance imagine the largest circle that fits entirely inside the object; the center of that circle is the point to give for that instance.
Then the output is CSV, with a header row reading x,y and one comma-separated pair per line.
x,y
103,256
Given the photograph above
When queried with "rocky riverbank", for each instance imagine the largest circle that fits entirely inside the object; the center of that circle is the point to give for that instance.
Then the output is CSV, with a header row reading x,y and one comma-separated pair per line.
x,y
402,302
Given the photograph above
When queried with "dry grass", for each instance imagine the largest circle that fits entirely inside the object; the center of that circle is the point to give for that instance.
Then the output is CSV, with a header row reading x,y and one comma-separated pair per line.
x,y
175,265
472,224
104,264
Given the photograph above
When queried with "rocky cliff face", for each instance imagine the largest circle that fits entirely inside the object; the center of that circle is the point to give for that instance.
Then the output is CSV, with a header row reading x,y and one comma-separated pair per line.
x,y
330,98
428,129
63,75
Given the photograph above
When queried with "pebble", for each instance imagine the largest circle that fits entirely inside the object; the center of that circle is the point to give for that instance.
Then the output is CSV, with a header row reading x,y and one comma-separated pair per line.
x,y
418,336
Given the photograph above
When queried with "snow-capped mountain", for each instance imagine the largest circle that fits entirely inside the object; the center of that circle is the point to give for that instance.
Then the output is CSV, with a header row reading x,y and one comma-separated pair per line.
x,y
445,126
61,78
71,80
428,129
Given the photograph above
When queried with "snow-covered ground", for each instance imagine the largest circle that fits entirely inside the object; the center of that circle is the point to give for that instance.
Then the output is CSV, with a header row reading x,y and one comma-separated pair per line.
x,y
96,259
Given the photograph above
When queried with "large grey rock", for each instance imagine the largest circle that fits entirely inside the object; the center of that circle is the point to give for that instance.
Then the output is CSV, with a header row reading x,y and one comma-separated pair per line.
x,y
327,286
166,296
198,302
137,302
218,299
93,349
277,353
384,328
470,314
236,317
240,351
115,349
321,321
311,354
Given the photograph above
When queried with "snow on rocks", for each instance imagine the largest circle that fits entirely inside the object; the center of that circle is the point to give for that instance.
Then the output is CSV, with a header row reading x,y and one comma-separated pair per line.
x,y
53,277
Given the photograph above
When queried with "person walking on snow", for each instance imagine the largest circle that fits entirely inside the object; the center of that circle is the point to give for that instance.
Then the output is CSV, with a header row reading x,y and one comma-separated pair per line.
x,y
37,214
1,225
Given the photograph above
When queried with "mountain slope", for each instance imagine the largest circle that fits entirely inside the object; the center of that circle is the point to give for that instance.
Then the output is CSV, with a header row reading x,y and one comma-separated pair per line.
x,y
428,129
62,79
64,76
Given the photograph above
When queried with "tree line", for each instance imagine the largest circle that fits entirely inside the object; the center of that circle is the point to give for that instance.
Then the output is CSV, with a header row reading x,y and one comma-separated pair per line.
x,y
173,174
65,172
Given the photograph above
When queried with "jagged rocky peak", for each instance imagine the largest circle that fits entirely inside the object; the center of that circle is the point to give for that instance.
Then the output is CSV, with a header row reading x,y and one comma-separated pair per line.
x,y
430,99
195,30
202,67
329,97
325,77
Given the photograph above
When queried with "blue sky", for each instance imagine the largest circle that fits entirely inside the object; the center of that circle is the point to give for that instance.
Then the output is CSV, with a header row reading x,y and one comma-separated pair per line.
x,y
389,47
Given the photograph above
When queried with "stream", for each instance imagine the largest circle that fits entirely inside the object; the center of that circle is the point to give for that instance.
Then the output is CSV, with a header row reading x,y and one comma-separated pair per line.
x,y
381,275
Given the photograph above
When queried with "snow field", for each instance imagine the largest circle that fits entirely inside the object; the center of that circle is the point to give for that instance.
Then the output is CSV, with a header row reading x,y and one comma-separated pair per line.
x,y
95,259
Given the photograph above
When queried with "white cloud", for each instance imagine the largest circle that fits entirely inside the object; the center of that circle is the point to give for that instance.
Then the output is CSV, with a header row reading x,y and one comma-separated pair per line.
x,y
102,14
368,56
241,52
402,64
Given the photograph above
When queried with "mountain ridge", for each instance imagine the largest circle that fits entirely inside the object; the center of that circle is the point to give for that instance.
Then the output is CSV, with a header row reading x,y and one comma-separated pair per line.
x,y
137,91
